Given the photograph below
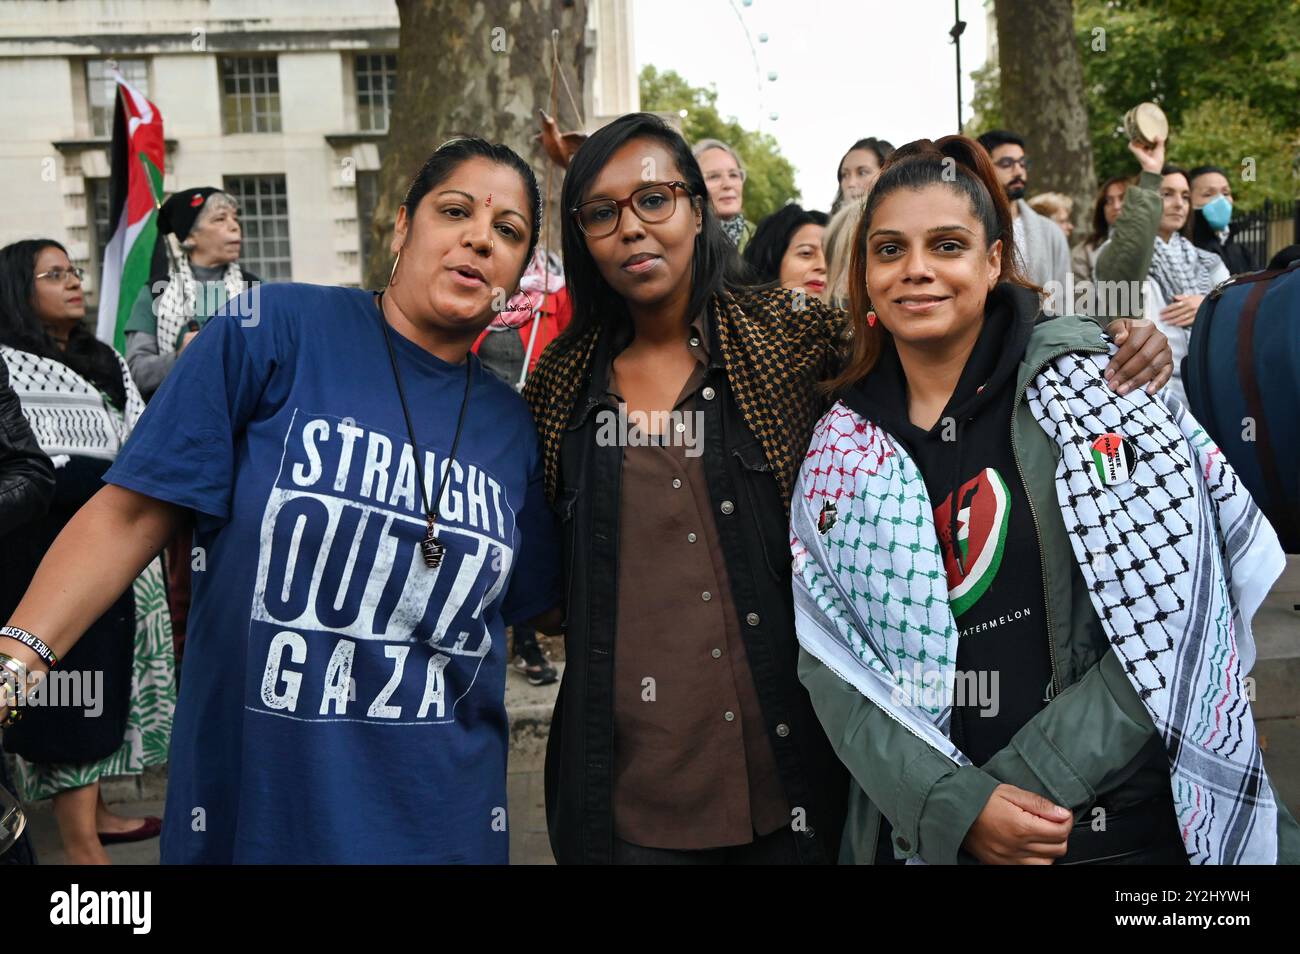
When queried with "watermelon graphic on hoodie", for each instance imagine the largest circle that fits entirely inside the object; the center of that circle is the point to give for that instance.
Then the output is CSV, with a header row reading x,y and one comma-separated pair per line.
x,y
974,558
982,518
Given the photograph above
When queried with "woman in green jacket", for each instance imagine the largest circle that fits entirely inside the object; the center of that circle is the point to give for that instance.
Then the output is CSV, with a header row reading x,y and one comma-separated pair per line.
x,y
1023,622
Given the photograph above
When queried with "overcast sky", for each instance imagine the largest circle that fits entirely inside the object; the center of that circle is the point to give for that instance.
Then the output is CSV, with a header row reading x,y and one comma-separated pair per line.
x,y
845,69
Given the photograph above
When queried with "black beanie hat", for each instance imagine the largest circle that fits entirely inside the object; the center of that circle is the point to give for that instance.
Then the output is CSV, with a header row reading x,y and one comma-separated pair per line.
x,y
179,213
177,217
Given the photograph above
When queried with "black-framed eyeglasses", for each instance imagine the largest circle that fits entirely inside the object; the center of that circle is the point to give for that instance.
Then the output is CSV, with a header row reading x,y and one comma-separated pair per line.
x,y
60,275
652,203
1006,162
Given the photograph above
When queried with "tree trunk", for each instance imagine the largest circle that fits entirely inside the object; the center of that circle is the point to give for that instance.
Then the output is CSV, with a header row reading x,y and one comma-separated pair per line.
x,y
474,67
1043,98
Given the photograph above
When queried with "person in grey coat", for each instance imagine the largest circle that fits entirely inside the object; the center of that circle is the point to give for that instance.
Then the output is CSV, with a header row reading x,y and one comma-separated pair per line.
x,y
1041,248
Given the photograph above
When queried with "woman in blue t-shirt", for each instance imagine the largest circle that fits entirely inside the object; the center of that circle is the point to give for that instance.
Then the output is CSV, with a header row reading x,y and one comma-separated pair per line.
x,y
360,491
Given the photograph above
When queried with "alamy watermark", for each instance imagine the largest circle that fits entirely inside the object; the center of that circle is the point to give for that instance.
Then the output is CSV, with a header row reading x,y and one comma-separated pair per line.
x,y
77,689
675,428
935,689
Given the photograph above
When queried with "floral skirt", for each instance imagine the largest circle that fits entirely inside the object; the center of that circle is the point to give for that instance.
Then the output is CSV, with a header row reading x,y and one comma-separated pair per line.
x,y
153,700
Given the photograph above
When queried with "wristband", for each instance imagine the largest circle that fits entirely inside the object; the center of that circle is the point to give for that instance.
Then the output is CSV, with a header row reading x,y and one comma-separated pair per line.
x,y
32,642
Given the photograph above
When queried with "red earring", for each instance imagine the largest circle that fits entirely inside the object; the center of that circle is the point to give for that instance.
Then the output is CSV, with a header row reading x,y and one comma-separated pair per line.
x,y
871,319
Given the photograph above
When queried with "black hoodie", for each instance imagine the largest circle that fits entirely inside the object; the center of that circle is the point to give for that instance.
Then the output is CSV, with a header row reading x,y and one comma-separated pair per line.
x,y
995,574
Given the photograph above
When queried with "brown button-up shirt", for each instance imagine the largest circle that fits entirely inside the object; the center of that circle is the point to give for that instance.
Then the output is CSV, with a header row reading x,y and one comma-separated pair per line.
x,y
693,766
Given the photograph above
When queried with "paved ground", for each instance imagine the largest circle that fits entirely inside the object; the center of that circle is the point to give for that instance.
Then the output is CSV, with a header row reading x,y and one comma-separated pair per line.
x,y
1276,706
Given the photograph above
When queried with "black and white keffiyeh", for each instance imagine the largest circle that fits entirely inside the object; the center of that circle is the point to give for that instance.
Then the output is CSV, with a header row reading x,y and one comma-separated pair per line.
x,y
1180,268
69,415
1177,559
175,306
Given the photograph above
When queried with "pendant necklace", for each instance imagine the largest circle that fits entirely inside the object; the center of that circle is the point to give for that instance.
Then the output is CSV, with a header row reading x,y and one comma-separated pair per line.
x,y
431,547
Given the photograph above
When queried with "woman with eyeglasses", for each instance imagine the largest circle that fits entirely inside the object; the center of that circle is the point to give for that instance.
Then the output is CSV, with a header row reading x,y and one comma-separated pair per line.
x,y
81,403
368,517
724,176
673,415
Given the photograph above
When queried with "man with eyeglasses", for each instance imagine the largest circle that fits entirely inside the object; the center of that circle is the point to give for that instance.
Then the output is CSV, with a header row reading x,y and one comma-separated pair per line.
x,y
1042,251
724,177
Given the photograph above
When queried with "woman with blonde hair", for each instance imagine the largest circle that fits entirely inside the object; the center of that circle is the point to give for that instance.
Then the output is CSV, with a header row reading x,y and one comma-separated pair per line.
x,y
1058,207
837,243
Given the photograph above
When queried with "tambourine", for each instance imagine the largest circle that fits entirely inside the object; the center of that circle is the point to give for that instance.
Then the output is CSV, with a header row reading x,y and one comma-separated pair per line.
x,y
1145,123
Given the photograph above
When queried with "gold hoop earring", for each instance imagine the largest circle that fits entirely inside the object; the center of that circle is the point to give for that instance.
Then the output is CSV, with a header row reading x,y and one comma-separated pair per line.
x,y
391,274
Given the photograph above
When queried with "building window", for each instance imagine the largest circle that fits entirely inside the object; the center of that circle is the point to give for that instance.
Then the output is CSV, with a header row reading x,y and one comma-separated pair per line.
x,y
250,94
367,197
100,229
376,76
264,216
101,90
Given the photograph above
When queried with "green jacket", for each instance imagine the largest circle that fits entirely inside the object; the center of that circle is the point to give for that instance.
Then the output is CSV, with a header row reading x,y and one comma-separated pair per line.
x,y
1087,742
1126,254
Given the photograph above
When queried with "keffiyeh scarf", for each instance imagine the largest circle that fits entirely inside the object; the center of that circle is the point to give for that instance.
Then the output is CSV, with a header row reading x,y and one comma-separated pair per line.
x,y
175,306
1177,558
69,415
734,227
1180,268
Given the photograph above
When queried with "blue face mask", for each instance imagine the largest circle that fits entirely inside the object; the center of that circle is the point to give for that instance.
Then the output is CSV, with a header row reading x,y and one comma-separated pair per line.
x,y
1218,212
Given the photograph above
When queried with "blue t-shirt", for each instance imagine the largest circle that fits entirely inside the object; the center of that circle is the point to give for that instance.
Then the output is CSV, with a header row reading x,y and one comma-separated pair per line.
x,y
340,702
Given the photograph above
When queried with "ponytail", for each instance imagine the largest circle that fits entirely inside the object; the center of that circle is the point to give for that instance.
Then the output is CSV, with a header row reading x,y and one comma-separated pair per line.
x,y
957,162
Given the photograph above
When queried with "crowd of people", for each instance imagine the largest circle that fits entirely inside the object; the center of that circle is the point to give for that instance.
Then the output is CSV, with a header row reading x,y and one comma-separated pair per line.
x,y
771,597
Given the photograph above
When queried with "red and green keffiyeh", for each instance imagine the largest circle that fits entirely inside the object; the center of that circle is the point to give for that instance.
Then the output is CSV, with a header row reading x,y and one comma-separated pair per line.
x,y
1176,557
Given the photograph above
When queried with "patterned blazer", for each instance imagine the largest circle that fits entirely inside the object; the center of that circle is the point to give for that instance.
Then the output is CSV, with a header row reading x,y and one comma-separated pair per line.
x,y
777,345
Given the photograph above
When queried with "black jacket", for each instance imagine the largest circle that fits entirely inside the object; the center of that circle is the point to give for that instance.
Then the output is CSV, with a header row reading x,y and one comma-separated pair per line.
x,y
753,529
1235,255
26,474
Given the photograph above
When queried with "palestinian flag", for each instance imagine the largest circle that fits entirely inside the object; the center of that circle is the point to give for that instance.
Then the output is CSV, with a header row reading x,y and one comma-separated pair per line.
x,y
983,511
135,189
1112,459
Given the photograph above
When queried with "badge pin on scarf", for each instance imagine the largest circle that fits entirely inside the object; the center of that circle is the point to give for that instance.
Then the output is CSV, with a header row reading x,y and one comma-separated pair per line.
x,y
826,519
1112,459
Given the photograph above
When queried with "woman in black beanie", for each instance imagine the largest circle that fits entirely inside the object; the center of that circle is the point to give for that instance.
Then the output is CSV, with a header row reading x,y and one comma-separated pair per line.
x,y
193,272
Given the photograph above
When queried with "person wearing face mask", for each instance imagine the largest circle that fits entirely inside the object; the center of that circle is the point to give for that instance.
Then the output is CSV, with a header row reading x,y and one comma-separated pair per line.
x,y
672,415
724,177
787,249
1212,218
858,170
362,493
79,399
1147,247
194,270
1043,254
1003,615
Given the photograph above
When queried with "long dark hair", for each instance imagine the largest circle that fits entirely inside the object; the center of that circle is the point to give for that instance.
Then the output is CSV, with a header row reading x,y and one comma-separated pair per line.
x,y
767,248
446,159
1100,229
957,163
22,328
1169,169
715,264
882,149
